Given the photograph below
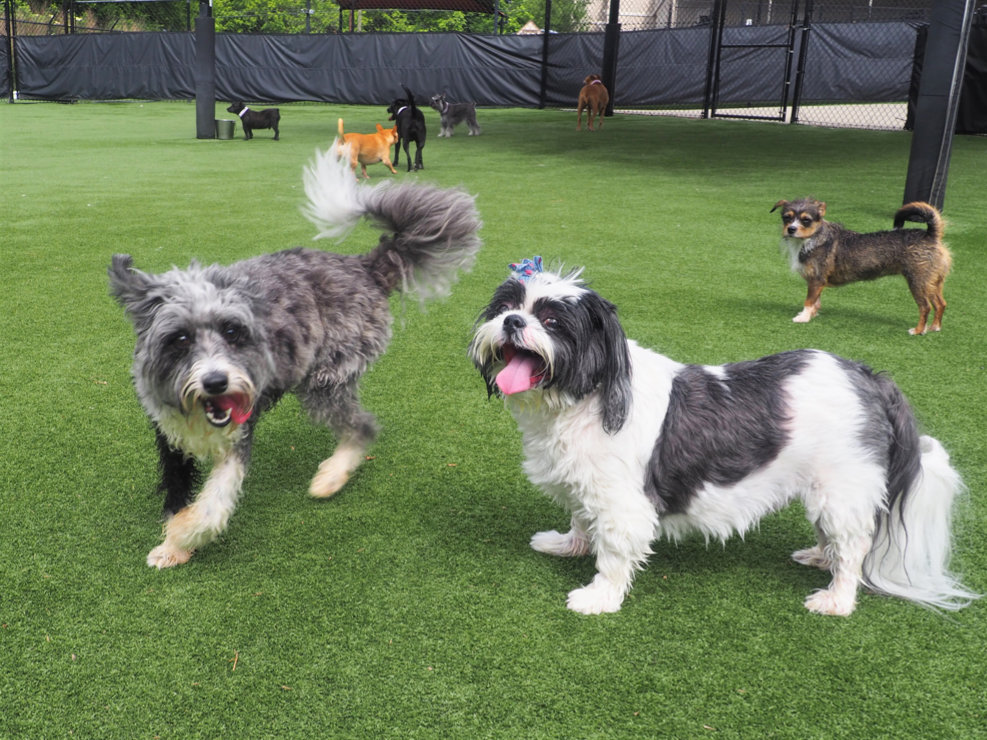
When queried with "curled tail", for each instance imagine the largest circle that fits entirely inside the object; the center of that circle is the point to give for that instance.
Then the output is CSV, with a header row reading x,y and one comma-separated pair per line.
x,y
432,231
919,211
910,553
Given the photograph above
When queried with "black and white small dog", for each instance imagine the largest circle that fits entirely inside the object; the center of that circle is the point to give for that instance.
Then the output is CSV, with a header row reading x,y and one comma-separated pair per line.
x,y
217,346
410,123
452,114
636,446
251,119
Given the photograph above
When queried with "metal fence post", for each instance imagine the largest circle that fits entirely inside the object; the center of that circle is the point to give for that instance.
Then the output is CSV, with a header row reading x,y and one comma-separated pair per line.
x,y
205,72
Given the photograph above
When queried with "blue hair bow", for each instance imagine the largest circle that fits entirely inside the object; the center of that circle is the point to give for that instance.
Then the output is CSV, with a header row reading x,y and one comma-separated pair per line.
x,y
524,269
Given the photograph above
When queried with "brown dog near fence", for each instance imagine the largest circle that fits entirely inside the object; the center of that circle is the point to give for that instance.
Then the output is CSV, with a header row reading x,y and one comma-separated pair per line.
x,y
593,98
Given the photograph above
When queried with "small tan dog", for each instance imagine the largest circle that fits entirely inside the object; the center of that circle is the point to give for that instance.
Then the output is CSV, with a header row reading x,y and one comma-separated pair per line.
x,y
593,98
368,148
827,253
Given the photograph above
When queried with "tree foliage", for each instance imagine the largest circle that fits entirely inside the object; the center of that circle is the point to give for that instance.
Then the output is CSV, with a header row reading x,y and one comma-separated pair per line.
x,y
305,16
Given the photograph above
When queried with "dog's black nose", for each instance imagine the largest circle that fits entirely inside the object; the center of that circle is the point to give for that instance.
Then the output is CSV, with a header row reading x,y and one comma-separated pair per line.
x,y
514,321
792,228
215,383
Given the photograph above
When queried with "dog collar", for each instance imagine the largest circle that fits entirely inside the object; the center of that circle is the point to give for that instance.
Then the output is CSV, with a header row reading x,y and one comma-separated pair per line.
x,y
596,82
445,106
402,108
245,109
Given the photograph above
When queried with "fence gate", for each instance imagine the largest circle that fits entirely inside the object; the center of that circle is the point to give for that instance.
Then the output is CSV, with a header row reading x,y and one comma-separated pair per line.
x,y
770,49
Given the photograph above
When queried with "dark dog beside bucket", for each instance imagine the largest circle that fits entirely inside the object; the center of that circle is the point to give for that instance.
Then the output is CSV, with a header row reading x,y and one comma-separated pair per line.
x,y
251,119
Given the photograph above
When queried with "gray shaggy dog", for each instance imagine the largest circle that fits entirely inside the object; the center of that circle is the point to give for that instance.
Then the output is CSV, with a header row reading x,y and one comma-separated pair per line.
x,y
219,345
452,114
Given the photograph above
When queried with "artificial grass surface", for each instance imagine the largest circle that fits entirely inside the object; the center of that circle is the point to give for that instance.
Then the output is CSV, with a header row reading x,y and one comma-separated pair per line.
x,y
410,605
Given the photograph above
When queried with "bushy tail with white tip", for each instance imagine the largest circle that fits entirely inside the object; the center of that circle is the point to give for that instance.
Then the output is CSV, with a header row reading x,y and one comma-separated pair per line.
x,y
432,231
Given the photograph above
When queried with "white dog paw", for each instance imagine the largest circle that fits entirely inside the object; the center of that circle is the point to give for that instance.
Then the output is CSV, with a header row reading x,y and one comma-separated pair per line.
x,y
814,557
327,482
567,545
803,317
335,471
167,556
598,597
826,602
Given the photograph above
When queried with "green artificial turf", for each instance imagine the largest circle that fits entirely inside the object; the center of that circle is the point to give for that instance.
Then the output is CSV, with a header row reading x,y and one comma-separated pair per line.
x,y
410,605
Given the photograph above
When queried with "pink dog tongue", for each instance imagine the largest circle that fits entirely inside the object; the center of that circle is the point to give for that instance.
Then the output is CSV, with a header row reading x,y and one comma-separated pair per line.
x,y
519,375
238,412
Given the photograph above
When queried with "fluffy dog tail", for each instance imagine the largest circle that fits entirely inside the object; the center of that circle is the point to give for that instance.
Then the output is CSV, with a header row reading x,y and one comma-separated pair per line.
x,y
433,231
909,556
923,212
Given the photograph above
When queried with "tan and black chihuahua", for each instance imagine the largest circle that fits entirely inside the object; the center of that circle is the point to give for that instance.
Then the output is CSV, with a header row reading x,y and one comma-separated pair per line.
x,y
827,253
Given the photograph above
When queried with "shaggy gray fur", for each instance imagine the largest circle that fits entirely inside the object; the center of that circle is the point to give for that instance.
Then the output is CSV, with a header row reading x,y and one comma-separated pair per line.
x,y
301,320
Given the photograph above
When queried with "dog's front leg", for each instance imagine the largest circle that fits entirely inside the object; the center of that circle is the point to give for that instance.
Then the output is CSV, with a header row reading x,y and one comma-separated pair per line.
x,y
202,521
179,475
621,537
811,306
572,544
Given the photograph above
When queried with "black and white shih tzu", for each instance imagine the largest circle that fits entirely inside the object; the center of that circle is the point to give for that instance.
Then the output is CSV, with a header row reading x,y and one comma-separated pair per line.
x,y
637,446
219,345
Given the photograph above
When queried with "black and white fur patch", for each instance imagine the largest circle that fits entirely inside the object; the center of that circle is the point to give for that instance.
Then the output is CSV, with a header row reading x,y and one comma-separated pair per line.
x,y
637,447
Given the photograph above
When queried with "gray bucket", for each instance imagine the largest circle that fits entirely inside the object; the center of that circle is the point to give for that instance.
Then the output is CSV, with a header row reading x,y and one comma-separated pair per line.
x,y
225,128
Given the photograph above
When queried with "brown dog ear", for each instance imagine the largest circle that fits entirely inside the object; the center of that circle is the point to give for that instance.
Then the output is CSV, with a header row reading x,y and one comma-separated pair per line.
x,y
779,204
822,209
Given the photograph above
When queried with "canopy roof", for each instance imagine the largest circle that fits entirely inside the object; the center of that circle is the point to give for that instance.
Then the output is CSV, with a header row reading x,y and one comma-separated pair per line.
x,y
467,6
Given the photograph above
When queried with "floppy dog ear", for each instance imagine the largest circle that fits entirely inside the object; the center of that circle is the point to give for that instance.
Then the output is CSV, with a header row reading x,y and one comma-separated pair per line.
x,y
779,204
615,383
133,289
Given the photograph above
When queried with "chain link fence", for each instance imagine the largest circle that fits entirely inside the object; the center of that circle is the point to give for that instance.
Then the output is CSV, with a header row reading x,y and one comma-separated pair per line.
x,y
841,63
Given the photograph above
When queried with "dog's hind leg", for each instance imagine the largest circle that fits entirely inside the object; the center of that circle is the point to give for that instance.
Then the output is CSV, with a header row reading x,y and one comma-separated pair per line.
x,y
207,517
923,294
842,507
814,557
355,428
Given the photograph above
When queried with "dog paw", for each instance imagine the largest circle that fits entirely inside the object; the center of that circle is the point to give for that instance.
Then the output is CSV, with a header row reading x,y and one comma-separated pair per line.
x,y
916,332
598,597
567,545
826,602
167,556
803,317
813,556
328,481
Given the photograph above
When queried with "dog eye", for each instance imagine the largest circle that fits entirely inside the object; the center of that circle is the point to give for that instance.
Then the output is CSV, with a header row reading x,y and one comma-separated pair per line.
x,y
550,322
180,339
805,220
232,332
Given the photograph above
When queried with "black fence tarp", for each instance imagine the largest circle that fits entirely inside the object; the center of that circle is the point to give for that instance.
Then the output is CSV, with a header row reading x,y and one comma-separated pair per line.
x,y
655,68
971,115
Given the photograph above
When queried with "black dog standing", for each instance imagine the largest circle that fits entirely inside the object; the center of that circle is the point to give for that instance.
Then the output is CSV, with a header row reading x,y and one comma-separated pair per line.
x,y
410,123
251,119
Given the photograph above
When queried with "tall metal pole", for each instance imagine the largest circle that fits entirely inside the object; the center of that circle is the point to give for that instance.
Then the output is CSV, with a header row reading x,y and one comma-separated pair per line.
x,y
543,91
205,72
938,101
611,44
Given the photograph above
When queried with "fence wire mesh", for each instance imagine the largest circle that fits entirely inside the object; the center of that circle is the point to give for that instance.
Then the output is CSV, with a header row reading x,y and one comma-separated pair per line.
x,y
811,59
